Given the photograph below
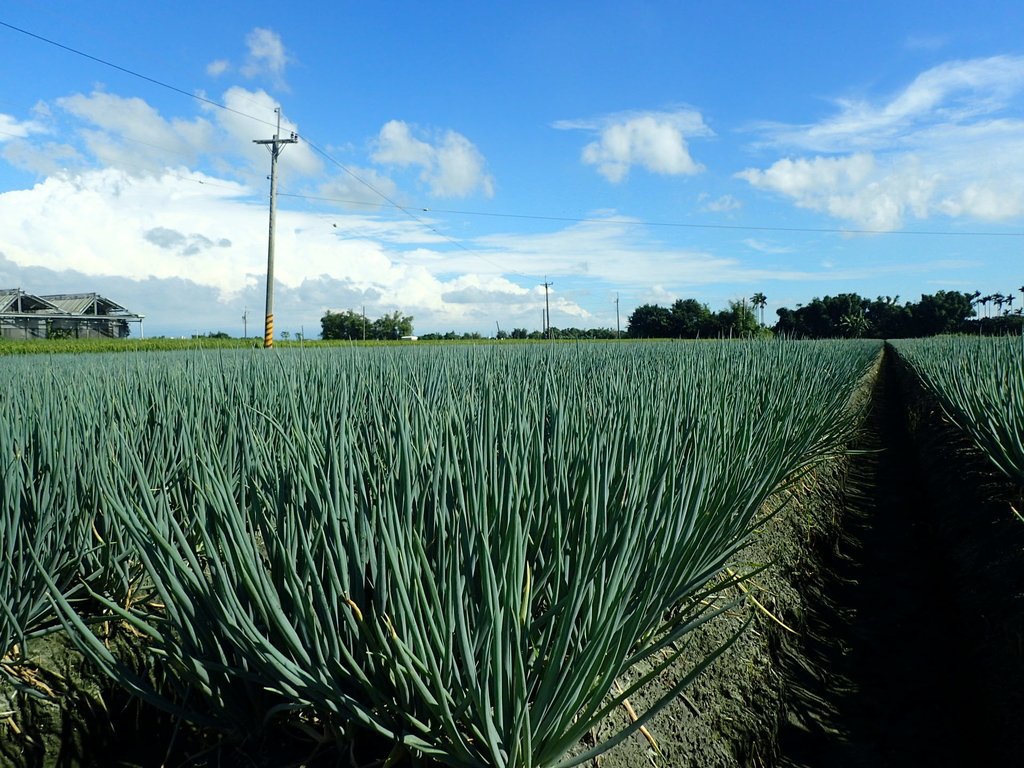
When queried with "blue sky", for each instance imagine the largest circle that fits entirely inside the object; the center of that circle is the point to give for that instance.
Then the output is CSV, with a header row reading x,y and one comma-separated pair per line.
x,y
454,156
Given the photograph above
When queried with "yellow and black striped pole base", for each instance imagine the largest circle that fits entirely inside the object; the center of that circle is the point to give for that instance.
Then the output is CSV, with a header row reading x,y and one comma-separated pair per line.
x,y
268,333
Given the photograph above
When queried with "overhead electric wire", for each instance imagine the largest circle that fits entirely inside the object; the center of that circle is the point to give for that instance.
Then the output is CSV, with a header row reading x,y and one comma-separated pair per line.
x,y
133,73
312,145
648,223
409,210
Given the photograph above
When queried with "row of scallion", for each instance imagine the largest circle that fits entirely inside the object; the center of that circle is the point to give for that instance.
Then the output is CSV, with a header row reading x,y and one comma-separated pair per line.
x,y
979,382
459,548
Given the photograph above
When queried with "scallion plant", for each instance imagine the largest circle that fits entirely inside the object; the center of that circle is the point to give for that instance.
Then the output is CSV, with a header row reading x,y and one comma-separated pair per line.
x,y
461,549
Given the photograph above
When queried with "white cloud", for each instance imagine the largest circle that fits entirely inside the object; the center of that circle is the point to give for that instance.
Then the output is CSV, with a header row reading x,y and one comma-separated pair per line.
x,y
944,145
488,297
209,239
218,67
396,146
763,247
44,159
955,93
198,235
364,188
267,55
451,166
181,226
156,243
655,141
722,204
460,168
97,222
617,252
11,128
242,130
853,188
130,134
801,177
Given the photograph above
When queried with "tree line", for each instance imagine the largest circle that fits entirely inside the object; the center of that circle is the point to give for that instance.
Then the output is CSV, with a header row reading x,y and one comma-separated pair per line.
x,y
690,319
849,315
846,315
522,333
354,326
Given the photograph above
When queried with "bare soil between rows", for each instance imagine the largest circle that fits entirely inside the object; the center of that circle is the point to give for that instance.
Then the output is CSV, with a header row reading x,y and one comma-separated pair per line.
x,y
912,653
890,632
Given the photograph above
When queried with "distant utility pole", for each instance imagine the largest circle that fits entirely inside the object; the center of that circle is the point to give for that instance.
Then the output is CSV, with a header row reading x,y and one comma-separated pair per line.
x,y
547,308
245,323
616,315
275,145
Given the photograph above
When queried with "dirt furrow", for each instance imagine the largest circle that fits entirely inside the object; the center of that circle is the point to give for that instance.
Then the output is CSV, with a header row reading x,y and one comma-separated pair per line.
x,y
897,667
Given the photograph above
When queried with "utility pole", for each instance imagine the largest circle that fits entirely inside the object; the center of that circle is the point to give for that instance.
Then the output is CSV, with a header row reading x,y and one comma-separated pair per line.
x,y
275,145
245,323
617,316
547,308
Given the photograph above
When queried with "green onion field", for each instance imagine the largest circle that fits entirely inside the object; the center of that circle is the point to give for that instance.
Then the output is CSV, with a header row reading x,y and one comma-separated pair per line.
x,y
521,555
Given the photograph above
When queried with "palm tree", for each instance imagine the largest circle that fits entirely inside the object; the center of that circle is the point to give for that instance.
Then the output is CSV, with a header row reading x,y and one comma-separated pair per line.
x,y
976,302
759,300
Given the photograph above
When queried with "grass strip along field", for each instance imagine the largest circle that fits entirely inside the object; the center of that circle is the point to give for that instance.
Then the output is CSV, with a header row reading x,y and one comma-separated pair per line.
x,y
979,382
458,548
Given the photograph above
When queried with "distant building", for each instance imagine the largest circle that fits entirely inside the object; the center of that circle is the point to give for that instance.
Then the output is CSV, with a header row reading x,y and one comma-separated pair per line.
x,y
63,315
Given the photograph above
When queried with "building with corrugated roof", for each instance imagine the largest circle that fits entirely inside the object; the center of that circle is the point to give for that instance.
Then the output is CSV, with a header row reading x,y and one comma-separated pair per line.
x,y
63,315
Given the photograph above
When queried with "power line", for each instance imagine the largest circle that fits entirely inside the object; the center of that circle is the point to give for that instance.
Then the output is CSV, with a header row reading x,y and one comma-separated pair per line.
x,y
133,73
404,209
408,210
211,102
648,223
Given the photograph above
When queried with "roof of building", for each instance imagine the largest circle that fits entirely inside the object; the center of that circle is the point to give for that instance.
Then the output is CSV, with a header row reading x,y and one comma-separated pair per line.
x,y
85,304
9,302
75,304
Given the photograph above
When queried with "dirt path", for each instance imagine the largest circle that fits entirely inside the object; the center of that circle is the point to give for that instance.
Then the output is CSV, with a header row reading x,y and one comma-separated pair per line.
x,y
892,635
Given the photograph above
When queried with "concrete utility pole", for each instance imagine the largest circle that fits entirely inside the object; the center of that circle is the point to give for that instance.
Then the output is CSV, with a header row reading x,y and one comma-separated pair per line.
x,y
275,145
245,323
547,308
617,316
